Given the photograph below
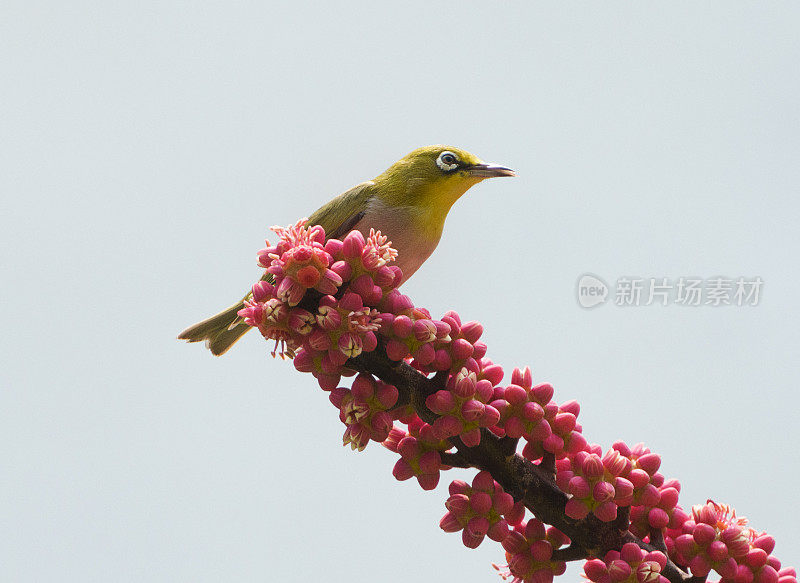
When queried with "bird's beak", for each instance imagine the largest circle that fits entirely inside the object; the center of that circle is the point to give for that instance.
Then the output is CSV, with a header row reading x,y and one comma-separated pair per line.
x,y
490,170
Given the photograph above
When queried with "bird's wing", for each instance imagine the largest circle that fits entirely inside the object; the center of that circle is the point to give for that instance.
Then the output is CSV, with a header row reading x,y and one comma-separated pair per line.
x,y
340,215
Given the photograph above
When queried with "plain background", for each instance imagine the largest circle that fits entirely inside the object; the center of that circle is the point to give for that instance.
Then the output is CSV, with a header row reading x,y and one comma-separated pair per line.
x,y
148,146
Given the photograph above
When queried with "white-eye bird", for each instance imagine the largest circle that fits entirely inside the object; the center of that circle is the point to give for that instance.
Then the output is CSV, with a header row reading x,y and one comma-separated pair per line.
x,y
408,203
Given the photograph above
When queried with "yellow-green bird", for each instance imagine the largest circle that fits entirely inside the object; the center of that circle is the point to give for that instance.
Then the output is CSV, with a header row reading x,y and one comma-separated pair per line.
x,y
408,203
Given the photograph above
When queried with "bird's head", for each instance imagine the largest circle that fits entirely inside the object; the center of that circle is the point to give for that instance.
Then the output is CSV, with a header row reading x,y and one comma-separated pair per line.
x,y
436,176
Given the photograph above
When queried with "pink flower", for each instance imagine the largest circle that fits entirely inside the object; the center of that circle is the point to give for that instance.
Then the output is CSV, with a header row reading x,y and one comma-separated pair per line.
x,y
364,410
629,565
529,549
480,509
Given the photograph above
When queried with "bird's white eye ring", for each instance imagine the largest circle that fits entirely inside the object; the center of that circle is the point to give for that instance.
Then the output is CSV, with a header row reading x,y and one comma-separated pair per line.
x,y
447,161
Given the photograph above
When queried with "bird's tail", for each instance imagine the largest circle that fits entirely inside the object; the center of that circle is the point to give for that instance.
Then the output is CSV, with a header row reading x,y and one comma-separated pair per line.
x,y
220,332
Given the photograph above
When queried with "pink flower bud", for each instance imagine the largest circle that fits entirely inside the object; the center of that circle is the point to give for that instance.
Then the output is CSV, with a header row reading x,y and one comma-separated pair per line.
x,y
624,492
576,509
490,416
765,542
756,558
459,505
515,543
478,350
461,349
743,574
607,511
481,503
619,570
440,402
717,551
603,491
303,361
493,373
472,410
579,487
471,331
658,518
403,471
571,407
649,496
362,285
369,342
425,354
699,566
428,481
424,330
543,393
595,570
353,245
396,350
449,523
686,546
363,387
639,478
442,330
553,443
767,575
704,534
503,502
478,525
736,540
649,463
576,443
465,384
726,568
430,462
458,487
563,423
592,466
471,438
401,326
442,360
262,291
484,390
498,530
669,498
351,302
470,540
617,465
387,395
447,426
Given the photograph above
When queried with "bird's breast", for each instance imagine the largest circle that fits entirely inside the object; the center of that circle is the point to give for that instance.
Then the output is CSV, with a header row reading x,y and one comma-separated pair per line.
x,y
409,230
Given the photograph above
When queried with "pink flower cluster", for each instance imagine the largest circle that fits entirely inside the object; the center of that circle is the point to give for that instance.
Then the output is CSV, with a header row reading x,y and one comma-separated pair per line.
x,y
623,476
529,551
420,453
715,538
479,510
325,301
364,409
528,411
463,407
631,564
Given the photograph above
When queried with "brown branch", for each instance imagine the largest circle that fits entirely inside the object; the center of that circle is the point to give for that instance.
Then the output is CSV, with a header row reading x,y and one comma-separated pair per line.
x,y
570,553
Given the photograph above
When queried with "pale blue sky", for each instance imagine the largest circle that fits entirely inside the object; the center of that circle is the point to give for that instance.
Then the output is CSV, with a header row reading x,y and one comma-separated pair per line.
x,y
148,147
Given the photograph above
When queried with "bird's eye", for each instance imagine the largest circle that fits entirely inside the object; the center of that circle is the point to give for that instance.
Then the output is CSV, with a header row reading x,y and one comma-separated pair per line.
x,y
447,161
